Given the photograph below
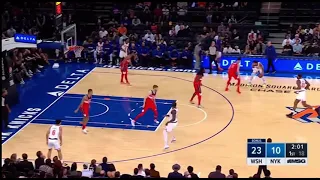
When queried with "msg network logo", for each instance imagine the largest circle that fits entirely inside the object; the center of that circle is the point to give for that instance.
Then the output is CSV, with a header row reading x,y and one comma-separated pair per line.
x,y
307,115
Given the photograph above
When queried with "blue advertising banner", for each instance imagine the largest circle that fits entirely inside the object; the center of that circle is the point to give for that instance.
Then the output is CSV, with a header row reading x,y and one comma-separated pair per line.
x,y
282,64
24,38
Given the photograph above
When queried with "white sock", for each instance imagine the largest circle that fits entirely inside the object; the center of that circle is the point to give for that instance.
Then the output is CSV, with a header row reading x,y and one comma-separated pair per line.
x,y
165,137
263,80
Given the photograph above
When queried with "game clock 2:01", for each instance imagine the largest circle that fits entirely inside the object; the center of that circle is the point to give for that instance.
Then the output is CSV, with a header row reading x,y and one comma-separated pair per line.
x,y
296,150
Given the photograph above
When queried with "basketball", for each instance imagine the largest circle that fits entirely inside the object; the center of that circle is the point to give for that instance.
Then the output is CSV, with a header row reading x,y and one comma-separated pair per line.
x,y
260,75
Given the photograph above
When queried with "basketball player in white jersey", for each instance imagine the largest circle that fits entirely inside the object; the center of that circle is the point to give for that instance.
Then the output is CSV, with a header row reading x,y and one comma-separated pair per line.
x,y
257,70
98,52
54,139
301,91
124,49
170,125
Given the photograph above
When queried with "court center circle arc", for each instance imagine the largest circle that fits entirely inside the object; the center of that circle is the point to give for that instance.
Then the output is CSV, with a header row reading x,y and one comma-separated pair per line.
x,y
185,147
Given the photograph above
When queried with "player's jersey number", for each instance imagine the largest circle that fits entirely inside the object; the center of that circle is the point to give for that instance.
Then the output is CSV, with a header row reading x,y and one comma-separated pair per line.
x,y
53,132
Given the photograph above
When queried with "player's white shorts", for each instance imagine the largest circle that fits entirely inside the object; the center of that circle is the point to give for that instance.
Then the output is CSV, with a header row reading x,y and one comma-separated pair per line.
x,y
171,126
54,144
256,71
302,96
122,54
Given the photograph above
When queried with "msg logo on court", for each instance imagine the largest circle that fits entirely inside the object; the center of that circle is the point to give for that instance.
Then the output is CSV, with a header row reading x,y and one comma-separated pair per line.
x,y
306,115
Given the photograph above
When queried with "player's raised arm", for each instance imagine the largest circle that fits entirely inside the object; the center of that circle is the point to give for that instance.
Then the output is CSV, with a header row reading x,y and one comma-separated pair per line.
x,y
81,103
60,135
47,135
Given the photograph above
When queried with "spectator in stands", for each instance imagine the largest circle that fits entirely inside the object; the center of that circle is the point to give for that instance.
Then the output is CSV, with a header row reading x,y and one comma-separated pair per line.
x,y
209,13
231,173
122,29
86,172
143,54
217,173
235,35
297,48
182,12
93,165
227,49
157,55
252,35
107,167
40,160
11,31
141,170
307,36
183,32
136,21
174,55
189,173
9,169
221,27
172,32
232,20
154,28
149,37
25,165
271,55
126,21
175,173
154,173
287,39
250,47
117,174
135,173
287,49
157,13
296,38
236,50
260,48
113,22
166,13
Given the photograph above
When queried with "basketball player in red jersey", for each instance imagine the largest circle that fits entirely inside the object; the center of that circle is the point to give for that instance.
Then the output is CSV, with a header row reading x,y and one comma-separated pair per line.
x,y
84,107
234,72
197,86
149,103
124,68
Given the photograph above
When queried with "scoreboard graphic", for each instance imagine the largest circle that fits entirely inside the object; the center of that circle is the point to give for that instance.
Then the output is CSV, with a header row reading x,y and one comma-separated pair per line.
x,y
260,152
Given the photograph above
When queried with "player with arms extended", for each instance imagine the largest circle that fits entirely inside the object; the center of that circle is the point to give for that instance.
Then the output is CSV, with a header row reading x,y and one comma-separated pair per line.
x,y
170,125
149,103
301,90
54,139
124,68
197,87
234,72
257,70
84,106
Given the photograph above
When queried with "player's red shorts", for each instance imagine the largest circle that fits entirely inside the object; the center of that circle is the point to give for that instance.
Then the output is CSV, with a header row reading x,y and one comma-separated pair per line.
x,y
85,111
232,75
197,87
149,105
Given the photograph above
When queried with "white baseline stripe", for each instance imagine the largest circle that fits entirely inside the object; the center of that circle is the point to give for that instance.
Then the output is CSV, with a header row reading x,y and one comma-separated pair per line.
x,y
47,107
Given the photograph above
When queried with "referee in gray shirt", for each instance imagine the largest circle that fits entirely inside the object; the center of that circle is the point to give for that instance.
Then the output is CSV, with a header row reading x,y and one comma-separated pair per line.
x,y
5,110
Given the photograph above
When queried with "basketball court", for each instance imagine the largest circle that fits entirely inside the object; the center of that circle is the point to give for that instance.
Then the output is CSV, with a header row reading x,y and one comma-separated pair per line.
x,y
215,134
